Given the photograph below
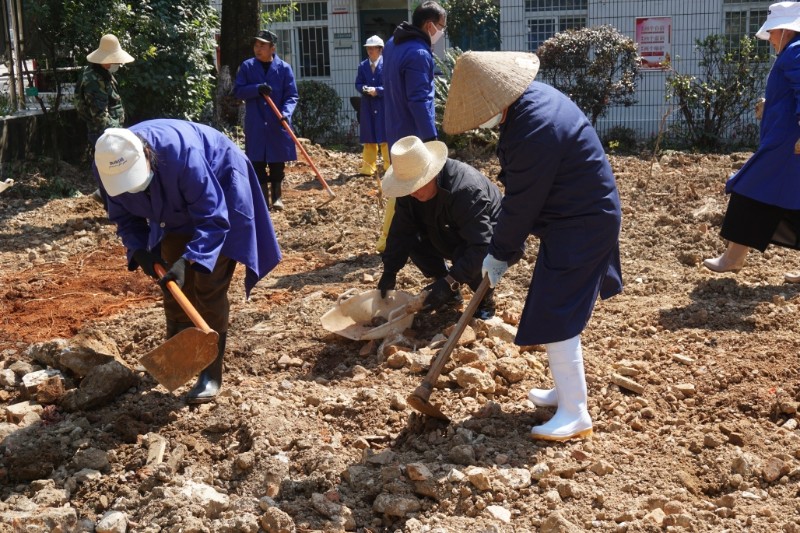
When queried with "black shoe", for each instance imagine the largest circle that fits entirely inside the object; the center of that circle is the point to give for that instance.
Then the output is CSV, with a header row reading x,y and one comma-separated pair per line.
x,y
486,308
210,380
277,203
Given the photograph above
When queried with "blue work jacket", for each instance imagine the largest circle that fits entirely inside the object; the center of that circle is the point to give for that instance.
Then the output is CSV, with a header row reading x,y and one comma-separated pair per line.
x,y
772,174
265,138
202,186
373,128
560,188
408,71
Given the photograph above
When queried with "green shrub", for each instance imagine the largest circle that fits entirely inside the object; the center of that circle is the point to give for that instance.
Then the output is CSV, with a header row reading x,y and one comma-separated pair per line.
x,y
620,139
317,114
720,99
596,67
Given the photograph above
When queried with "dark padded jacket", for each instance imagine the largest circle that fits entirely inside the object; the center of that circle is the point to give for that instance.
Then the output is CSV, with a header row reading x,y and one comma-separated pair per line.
x,y
458,221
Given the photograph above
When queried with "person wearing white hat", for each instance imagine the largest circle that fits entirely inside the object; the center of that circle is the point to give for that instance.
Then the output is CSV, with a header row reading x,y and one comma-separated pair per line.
x,y
369,83
97,98
559,187
266,141
764,204
445,212
185,196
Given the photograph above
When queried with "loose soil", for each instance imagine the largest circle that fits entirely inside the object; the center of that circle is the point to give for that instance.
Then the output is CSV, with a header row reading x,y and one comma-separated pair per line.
x,y
709,444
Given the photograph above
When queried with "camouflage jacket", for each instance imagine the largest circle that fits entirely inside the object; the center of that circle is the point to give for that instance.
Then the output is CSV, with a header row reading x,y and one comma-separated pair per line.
x,y
98,101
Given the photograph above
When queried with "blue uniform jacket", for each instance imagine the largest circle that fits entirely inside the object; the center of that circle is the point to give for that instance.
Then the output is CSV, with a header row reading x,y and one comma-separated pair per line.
x,y
265,139
373,129
408,68
560,188
203,186
772,174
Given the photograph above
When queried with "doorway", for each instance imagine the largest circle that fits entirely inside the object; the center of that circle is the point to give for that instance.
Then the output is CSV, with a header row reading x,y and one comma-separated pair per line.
x,y
380,22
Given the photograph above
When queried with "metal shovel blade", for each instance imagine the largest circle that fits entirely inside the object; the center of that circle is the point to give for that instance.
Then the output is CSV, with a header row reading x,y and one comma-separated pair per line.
x,y
419,400
181,357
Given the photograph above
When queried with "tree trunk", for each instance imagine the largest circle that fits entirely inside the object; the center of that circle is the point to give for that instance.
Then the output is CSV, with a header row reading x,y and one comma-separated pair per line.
x,y
241,19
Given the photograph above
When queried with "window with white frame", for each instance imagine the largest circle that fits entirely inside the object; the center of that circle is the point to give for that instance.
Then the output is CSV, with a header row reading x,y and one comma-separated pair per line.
x,y
304,42
542,28
742,18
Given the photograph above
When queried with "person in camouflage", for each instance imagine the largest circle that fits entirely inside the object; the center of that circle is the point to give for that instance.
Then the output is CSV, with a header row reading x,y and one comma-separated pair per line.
x,y
97,100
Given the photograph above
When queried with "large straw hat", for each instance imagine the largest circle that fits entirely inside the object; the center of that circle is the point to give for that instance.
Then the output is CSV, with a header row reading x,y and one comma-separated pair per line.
x,y
121,163
414,165
485,83
783,15
109,51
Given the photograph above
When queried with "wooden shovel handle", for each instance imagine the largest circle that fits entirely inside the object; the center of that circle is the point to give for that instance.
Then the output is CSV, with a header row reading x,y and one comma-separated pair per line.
x,y
183,301
452,340
299,146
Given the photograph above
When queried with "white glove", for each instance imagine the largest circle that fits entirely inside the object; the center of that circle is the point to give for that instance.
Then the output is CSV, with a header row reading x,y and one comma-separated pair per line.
x,y
494,268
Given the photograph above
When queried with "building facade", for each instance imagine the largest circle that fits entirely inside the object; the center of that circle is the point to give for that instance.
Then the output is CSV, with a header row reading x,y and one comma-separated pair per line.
x,y
324,40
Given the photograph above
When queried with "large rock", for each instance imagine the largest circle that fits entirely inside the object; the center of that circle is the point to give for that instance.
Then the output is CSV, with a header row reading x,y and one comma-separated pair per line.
x,y
276,521
41,519
396,505
205,496
112,522
101,385
514,369
339,514
79,355
472,378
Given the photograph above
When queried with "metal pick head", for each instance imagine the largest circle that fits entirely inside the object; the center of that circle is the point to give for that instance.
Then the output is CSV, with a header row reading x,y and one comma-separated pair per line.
x,y
424,406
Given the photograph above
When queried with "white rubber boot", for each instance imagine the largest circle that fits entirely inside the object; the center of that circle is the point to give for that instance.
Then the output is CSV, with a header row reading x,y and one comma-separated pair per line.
x,y
543,397
572,419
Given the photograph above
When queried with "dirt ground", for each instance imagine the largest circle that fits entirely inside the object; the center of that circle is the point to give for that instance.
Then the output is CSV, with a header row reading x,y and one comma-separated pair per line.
x,y
312,431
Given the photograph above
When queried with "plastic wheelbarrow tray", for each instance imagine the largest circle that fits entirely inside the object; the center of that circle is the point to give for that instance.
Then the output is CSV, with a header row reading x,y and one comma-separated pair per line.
x,y
354,316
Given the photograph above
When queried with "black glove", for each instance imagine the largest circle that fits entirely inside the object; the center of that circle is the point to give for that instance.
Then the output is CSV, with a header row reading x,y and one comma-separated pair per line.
x,y
177,274
264,89
284,118
387,282
146,260
440,294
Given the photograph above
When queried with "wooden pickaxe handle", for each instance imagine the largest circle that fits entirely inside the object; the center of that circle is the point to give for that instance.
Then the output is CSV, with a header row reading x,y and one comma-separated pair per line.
x,y
299,146
183,301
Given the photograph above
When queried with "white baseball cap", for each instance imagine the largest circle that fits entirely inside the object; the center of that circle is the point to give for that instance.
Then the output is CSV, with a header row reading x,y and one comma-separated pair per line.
x,y
121,163
374,41
781,16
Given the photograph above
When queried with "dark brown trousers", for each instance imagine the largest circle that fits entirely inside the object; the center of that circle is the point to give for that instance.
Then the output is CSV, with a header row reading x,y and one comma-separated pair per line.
x,y
207,292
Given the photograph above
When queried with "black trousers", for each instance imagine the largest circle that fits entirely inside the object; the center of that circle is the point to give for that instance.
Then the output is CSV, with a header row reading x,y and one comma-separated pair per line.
x,y
432,263
276,172
757,225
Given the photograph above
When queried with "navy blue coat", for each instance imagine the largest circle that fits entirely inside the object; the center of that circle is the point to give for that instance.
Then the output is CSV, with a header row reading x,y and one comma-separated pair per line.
x,y
408,82
202,186
265,139
560,188
772,174
373,128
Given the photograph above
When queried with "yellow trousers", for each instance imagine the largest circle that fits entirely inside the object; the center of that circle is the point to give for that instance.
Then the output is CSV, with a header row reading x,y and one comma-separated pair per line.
x,y
387,222
370,156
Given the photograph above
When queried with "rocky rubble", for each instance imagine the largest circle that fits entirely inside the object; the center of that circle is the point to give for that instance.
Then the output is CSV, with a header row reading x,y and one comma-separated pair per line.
x,y
693,384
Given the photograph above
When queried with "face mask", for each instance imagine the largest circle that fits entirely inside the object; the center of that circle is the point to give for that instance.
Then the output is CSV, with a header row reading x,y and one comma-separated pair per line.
x,y
492,122
436,36
113,68
144,185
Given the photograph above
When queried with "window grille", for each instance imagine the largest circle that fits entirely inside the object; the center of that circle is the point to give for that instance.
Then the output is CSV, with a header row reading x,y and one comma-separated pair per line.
x,y
314,51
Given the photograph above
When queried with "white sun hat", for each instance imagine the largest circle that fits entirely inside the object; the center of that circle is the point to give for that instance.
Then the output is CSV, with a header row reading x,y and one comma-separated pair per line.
x,y
109,51
414,165
485,83
374,41
121,163
781,16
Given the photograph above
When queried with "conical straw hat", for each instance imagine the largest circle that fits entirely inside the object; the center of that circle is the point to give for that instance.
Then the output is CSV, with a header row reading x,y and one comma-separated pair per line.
x,y
485,83
109,51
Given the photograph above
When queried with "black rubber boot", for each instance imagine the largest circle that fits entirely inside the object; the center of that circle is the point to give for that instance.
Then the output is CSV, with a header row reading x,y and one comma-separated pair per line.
x,y
210,380
486,308
277,203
